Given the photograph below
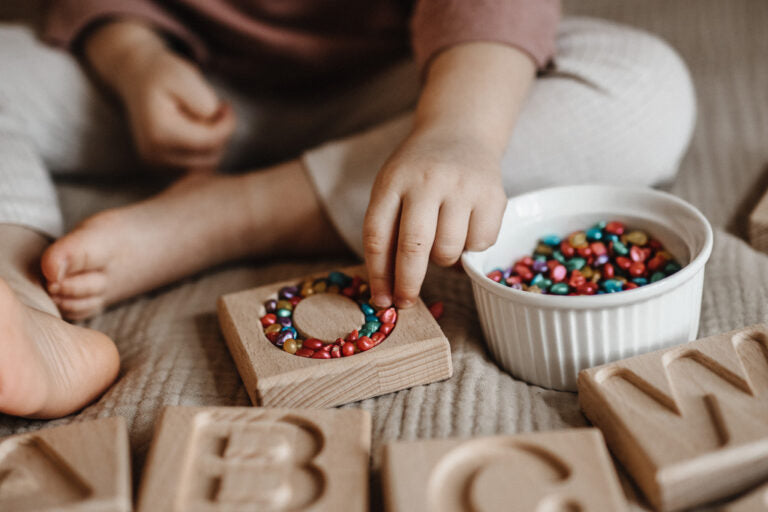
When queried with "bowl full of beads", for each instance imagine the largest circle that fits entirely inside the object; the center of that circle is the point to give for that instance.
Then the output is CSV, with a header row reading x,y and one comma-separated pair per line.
x,y
585,275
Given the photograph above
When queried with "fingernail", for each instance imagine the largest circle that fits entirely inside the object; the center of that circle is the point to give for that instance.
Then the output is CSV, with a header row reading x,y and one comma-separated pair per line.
x,y
382,300
404,303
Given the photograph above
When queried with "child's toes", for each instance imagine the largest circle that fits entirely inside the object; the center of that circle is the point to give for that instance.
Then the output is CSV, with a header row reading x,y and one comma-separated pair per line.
x,y
72,254
79,309
79,286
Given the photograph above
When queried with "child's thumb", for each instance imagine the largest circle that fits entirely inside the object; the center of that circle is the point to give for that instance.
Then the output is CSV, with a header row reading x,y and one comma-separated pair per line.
x,y
198,98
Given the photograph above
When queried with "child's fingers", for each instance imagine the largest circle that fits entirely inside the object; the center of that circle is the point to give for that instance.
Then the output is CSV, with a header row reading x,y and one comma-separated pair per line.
x,y
484,225
176,131
414,244
379,235
452,226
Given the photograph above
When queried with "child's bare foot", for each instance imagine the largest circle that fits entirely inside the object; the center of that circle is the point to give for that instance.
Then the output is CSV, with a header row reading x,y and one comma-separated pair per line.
x,y
49,368
201,221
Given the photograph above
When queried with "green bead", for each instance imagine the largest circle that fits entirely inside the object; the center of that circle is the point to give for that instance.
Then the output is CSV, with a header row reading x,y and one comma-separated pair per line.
x,y
371,326
539,257
559,289
551,240
600,225
619,248
371,318
545,283
559,257
671,267
656,276
575,263
283,312
536,280
610,237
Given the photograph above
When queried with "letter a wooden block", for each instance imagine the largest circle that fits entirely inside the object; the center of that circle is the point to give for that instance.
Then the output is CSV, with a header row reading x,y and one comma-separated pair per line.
x,y
560,470
79,467
416,352
690,424
222,459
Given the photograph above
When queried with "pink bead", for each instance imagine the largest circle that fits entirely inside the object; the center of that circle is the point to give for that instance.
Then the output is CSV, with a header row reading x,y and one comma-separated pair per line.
x,y
558,273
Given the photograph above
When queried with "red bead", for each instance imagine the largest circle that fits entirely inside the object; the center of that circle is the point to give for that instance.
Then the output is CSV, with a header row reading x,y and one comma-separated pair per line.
x,y
386,329
348,292
356,282
655,244
436,308
294,300
328,347
336,351
364,343
523,271
552,264
313,344
387,316
585,252
587,289
558,272
637,269
272,336
636,254
567,249
598,248
305,352
348,349
378,337
268,319
352,336
320,354
630,285
495,275
656,263
615,228
576,279
527,261
623,262
608,271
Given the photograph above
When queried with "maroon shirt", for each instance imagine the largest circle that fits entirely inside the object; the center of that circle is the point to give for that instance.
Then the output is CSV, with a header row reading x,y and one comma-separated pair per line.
x,y
294,43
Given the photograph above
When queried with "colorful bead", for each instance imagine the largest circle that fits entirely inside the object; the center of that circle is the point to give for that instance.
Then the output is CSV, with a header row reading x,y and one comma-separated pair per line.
x,y
606,258
277,321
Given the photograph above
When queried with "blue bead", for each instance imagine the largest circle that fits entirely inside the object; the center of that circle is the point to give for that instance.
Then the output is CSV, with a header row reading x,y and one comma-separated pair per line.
x,y
283,337
339,279
640,281
600,225
536,280
551,240
594,234
290,330
612,285
371,318
283,312
610,237
367,309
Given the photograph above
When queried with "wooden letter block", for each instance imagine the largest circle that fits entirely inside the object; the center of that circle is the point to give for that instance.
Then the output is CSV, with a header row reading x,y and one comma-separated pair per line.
x,y
416,352
559,470
222,459
758,225
690,423
78,467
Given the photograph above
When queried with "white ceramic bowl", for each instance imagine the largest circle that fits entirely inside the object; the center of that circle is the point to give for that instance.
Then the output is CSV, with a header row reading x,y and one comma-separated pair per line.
x,y
547,339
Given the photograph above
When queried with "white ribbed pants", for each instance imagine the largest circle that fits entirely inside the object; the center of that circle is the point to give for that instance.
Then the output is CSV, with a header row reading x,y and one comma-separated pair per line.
x,y
618,107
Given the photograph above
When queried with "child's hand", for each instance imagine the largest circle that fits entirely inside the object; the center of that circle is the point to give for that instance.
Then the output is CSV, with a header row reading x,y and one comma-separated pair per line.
x,y
437,195
176,118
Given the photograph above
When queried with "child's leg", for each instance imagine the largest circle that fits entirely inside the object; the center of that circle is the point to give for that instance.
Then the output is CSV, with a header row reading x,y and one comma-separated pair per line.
x,y
47,366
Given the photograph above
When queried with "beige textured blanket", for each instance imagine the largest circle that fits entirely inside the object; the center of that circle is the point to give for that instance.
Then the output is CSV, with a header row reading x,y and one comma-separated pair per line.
x,y
172,351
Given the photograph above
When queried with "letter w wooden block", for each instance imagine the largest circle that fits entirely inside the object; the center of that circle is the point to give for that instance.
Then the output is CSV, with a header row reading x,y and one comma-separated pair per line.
x,y
689,423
